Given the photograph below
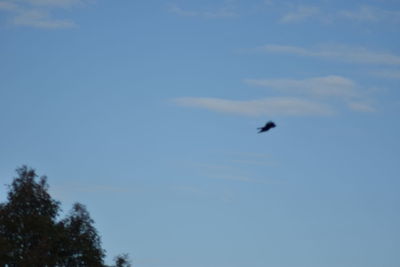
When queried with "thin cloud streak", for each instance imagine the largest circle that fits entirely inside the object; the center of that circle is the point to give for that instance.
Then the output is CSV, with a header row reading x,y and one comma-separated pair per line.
x,y
289,106
181,12
338,52
364,13
370,14
237,178
246,179
226,11
290,13
361,107
391,74
40,19
38,13
9,6
300,14
321,88
253,162
327,86
58,3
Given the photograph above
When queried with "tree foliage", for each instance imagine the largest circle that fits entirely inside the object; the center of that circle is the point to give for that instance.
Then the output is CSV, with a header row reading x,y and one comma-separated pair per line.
x,y
31,235
122,261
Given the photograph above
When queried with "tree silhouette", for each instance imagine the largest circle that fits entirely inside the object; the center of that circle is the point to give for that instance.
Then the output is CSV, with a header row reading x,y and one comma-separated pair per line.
x,y
122,261
81,241
30,234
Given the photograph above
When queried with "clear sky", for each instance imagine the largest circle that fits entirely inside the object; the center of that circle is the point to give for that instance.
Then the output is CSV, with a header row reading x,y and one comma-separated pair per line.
x,y
147,113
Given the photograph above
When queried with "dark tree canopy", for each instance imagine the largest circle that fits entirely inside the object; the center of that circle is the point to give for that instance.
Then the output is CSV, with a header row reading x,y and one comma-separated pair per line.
x,y
122,261
30,234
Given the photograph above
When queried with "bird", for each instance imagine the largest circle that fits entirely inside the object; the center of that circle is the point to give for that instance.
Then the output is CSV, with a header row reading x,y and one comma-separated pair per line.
x,y
267,126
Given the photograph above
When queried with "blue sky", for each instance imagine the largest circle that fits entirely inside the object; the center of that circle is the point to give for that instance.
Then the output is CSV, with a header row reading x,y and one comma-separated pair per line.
x,y
146,112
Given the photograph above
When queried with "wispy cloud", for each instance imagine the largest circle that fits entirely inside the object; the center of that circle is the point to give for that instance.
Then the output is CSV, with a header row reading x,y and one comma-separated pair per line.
x,y
361,106
192,190
337,52
392,74
67,191
322,88
95,189
370,14
39,13
302,97
299,14
181,12
329,86
289,12
57,3
290,106
9,6
203,193
226,11
238,178
40,19
254,162
269,2
236,167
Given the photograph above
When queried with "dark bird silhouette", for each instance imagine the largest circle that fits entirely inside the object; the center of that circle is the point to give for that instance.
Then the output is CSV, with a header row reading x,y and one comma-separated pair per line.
x,y
266,127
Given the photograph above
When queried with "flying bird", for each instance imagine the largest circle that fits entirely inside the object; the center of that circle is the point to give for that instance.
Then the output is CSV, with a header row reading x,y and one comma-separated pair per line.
x,y
266,127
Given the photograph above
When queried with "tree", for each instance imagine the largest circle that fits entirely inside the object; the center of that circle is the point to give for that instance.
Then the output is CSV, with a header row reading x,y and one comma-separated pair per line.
x,y
30,234
122,261
27,222
82,240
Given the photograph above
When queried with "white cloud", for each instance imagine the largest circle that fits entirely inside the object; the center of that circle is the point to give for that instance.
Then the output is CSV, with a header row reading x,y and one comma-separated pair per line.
x,y
393,74
9,6
361,107
325,88
237,178
289,12
226,11
179,11
269,2
40,19
338,52
56,3
300,14
313,96
38,13
328,86
253,162
189,190
371,14
290,106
